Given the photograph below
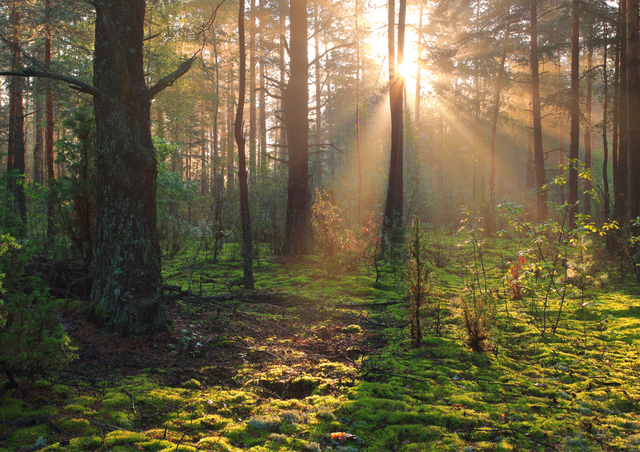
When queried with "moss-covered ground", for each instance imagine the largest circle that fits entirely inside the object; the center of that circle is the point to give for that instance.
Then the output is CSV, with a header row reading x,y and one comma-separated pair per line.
x,y
320,367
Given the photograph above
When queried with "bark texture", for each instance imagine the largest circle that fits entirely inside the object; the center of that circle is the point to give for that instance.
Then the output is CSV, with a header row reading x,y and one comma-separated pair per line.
x,y
127,293
296,105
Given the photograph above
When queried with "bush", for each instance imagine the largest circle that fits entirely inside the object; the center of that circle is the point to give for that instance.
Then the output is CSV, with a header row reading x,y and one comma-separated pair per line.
x,y
32,340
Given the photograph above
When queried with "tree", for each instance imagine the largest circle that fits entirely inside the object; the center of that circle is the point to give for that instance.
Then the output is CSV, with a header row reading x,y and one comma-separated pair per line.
x,y
575,109
127,293
633,106
395,195
247,243
538,153
296,106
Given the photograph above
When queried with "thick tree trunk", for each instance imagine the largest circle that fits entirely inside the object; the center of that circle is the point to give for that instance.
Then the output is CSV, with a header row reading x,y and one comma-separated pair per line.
x,y
575,111
633,106
127,293
296,104
538,152
247,242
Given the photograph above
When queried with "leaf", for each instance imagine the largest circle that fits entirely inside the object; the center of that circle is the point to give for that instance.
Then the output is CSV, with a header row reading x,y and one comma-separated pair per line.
x,y
342,436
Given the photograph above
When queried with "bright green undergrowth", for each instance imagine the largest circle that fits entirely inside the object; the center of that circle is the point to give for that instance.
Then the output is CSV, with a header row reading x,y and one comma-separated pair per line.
x,y
575,390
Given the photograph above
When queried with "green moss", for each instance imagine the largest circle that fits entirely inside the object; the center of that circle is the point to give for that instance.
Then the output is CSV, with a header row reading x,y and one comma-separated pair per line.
x,y
28,436
124,437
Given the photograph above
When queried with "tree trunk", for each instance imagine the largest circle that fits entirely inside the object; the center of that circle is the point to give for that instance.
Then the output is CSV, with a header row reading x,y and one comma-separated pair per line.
x,y
609,242
538,152
633,106
18,139
621,194
48,136
575,111
252,97
247,242
127,293
494,131
262,97
588,135
358,149
393,206
39,139
296,104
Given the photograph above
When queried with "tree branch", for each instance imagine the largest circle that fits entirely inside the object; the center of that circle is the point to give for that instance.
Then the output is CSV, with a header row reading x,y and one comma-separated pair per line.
x,y
118,53
73,82
323,54
170,79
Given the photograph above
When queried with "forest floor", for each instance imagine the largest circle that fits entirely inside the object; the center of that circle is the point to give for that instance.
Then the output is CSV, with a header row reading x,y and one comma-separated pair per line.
x,y
323,361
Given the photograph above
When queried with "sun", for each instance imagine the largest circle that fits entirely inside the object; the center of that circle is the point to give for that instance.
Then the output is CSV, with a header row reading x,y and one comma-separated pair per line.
x,y
408,69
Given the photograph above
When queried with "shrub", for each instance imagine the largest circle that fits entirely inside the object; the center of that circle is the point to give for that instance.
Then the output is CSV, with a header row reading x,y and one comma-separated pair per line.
x,y
32,340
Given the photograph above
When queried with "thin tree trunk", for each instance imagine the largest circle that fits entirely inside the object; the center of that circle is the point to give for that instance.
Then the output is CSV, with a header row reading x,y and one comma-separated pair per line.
x,y
18,145
575,111
633,106
609,242
252,97
538,152
39,138
494,132
247,242
621,195
48,136
588,135
358,149
262,97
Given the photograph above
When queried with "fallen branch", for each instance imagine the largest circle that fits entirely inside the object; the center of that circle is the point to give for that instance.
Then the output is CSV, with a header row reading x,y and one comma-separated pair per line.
x,y
366,305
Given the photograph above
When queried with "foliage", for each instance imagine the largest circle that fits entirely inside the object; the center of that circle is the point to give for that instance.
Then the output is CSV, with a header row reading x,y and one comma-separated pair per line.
x,y
342,248
32,340
76,190
172,190
421,286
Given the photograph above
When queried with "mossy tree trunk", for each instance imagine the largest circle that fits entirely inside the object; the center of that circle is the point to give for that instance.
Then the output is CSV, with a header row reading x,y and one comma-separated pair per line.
x,y
127,294
127,291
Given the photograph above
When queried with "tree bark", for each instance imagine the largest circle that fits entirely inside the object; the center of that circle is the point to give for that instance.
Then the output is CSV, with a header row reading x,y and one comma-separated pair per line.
x,y
538,152
358,145
588,135
394,203
494,132
17,127
296,104
252,97
621,194
575,110
633,106
127,293
48,136
247,241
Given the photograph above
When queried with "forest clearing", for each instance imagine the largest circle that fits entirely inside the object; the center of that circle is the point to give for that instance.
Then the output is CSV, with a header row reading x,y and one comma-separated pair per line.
x,y
310,225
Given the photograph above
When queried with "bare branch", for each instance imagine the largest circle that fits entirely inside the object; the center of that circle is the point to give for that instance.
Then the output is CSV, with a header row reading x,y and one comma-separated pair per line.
x,y
171,78
322,55
73,82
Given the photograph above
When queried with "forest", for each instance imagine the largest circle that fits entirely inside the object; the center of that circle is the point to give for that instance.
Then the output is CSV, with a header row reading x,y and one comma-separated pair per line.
x,y
318,225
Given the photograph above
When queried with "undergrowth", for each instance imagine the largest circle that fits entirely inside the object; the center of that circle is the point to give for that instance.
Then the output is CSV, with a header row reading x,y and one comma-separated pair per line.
x,y
329,364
